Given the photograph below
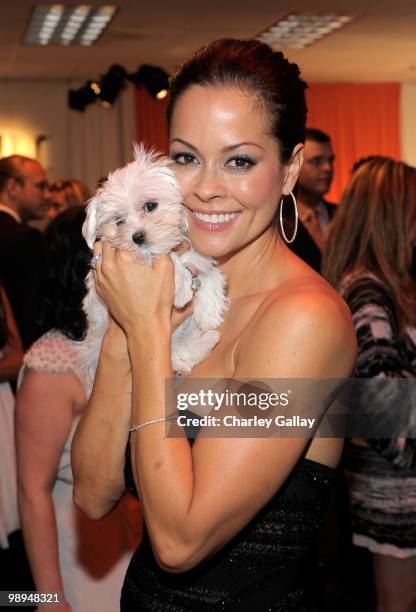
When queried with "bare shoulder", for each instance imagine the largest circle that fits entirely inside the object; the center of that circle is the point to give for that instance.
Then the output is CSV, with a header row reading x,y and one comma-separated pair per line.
x,y
49,393
302,329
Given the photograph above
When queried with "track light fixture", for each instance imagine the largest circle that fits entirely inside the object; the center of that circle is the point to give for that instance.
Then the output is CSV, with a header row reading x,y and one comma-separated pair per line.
x,y
111,84
78,99
154,79
106,90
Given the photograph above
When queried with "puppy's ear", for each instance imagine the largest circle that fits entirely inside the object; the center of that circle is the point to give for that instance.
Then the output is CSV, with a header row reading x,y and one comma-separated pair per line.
x,y
90,223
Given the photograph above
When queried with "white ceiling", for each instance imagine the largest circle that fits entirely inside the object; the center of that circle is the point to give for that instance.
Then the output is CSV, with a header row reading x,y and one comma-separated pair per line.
x,y
379,46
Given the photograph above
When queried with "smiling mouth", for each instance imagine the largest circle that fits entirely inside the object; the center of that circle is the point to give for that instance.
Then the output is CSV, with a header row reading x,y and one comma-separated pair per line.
x,y
215,218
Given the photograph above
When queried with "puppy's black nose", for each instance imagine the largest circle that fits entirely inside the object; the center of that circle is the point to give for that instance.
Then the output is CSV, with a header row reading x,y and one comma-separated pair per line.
x,y
139,238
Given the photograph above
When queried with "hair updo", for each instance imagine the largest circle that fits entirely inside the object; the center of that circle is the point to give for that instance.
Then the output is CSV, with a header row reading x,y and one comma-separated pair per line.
x,y
253,66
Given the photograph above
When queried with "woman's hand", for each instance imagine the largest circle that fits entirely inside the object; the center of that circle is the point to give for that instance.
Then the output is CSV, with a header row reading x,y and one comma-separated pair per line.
x,y
180,314
139,296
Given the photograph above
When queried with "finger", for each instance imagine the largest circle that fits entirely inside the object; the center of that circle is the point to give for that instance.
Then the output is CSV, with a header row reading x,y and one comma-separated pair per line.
x,y
192,269
107,250
97,248
182,248
96,258
126,255
108,257
162,262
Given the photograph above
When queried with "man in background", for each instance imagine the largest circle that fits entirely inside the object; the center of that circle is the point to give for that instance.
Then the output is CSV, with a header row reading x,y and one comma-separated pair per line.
x,y
314,211
24,195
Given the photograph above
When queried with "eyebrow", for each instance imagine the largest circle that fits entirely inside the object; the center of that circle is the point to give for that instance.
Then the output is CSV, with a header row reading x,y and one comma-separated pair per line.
x,y
226,149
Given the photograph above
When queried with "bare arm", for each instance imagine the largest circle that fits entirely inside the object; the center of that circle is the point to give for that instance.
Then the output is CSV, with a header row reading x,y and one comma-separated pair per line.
x,y
13,351
43,422
98,448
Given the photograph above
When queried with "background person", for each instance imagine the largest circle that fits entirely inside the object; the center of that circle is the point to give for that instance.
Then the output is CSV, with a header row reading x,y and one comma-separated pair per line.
x,y
230,523
314,183
64,194
15,573
86,560
24,194
368,258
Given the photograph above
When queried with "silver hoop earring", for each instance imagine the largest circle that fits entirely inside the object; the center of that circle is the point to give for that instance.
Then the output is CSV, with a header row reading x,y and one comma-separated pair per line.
x,y
296,219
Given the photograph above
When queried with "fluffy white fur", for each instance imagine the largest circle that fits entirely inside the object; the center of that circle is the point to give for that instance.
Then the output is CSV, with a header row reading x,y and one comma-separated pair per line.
x,y
117,214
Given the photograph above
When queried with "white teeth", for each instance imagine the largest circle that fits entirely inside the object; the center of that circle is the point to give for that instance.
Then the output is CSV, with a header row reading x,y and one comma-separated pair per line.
x,y
223,218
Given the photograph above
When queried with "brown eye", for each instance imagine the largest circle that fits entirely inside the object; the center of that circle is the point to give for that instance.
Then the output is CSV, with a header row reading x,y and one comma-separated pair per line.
x,y
120,221
150,206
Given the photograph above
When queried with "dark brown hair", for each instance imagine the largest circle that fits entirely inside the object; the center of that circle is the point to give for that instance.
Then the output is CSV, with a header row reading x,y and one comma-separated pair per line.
x,y
374,230
253,66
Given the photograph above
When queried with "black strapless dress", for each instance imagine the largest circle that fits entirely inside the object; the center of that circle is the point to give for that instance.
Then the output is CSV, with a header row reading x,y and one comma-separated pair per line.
x,y
264,567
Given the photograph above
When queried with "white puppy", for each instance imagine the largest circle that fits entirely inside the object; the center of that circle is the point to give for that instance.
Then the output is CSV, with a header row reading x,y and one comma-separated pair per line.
x,y
140,208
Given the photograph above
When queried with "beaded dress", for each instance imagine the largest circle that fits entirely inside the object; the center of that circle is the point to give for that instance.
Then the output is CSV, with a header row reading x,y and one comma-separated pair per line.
x,y
265,567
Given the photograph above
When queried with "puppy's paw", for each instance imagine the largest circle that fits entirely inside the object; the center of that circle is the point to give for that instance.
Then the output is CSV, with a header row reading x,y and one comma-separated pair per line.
x,y
182,363
208,340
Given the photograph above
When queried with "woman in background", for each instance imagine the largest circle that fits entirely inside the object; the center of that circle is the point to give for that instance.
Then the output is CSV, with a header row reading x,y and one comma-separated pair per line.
x,y
368,258
11,355
64,194
86,560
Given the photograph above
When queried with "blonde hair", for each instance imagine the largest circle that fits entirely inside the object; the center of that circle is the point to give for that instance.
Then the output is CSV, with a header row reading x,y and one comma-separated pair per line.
x,y
374,229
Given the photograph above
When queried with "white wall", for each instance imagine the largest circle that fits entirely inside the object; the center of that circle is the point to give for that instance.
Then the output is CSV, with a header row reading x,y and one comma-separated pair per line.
x,y
408,122
85,145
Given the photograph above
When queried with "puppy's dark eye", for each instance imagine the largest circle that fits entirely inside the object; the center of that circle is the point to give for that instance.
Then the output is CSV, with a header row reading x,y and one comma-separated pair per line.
x,y
150,206
120,221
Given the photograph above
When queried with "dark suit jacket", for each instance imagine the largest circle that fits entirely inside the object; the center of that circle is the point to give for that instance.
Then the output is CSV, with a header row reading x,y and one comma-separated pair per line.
x,y
21,263
305,247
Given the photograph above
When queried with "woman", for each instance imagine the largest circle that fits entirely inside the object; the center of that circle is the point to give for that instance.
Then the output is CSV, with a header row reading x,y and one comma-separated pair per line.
x,y
82,559
237,121
64,194
11,355
368,258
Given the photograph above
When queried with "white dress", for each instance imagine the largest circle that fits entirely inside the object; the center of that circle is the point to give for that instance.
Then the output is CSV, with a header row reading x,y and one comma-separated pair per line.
x,y
9,519
93,555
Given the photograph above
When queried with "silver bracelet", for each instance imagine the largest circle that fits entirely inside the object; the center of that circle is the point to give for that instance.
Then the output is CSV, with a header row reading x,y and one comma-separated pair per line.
x,y
137,427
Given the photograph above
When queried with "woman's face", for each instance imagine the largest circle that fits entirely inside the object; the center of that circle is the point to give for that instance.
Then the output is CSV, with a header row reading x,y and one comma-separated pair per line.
x,y
227,165
57,203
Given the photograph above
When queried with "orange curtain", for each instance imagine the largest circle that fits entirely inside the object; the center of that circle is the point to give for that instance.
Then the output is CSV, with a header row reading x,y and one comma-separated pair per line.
x,y
151,126
361,119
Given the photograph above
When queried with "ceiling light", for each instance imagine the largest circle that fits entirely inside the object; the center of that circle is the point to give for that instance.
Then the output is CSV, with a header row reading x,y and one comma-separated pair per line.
x,y
80,25
296,31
